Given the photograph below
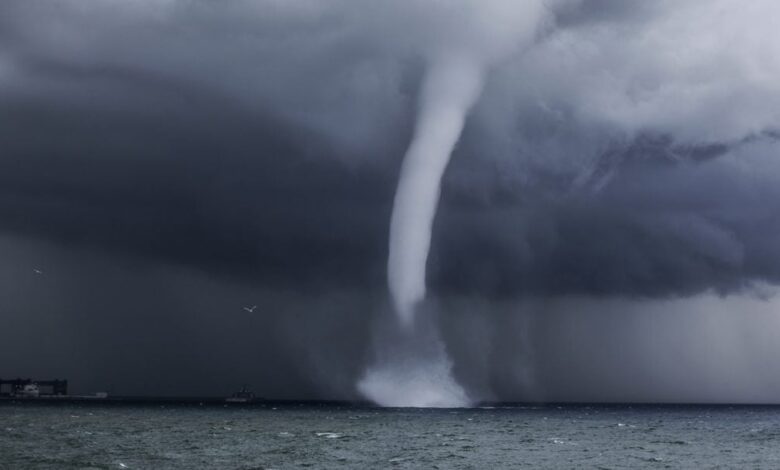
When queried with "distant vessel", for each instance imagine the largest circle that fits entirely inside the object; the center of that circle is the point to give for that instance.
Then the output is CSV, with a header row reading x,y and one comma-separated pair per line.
x,y
241,396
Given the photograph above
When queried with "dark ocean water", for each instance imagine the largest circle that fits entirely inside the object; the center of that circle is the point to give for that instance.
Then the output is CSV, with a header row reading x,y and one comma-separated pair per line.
x,y
71,436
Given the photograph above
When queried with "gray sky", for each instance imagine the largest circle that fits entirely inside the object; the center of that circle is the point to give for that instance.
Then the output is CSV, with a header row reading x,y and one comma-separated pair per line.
x,y
165,163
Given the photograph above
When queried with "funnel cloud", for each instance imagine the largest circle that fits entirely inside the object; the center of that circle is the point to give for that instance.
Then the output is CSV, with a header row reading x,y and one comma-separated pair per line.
x,y
450,88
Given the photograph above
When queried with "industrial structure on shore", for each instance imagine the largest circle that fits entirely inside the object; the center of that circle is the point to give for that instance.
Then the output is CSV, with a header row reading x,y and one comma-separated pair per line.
x,y
29,388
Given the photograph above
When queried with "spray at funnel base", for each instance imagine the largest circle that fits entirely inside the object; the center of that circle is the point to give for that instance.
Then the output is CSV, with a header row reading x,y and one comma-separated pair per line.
x,y
423,383
411,368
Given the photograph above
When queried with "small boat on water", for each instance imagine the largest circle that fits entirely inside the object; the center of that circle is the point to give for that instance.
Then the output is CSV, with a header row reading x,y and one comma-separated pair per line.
x,y
241,396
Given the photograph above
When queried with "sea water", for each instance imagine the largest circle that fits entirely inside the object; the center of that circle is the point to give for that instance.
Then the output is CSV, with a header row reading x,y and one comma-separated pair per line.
x,y
73,436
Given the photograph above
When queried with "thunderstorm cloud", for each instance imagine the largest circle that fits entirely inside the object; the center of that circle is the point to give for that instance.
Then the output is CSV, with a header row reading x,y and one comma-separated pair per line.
x,y
164,163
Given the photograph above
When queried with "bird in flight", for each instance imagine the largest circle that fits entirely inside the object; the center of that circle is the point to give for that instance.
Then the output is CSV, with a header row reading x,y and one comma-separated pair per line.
x,y
250,309
37,271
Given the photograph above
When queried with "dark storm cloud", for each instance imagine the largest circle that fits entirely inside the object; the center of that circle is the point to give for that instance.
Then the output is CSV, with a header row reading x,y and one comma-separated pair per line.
x,y
190,180
657,228
238,142
223,140
167,162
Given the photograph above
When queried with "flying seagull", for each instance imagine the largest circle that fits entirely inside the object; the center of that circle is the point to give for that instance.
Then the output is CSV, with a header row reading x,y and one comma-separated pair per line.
x,y
250,309
37,271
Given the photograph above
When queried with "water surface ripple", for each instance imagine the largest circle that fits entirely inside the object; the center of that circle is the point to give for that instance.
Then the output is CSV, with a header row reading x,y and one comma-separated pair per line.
x,y
76,436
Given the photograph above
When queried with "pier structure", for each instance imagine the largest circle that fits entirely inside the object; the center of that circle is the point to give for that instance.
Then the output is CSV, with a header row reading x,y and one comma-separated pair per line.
x,y
12,387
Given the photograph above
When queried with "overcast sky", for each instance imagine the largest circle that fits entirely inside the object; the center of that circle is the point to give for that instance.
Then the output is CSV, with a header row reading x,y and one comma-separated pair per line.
x,y
164,163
